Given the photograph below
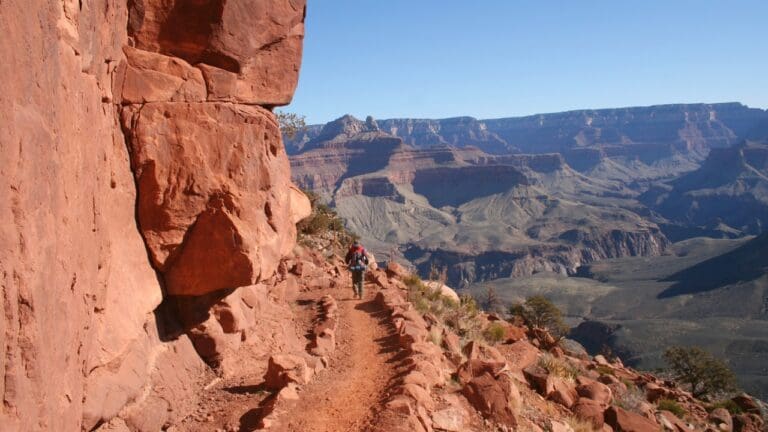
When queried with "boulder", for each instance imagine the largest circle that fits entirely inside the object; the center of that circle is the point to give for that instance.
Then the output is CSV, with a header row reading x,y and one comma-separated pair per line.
x,y
561,391
283,369
444,290
418,394
624,421
300,207
748,422
672,423
590,410
747,403
538,378
521,355
655,392
451,342
722,419
495,398
513,333
474,368
411,333
396,270
546,340
596,391
479,350
451,419
206,231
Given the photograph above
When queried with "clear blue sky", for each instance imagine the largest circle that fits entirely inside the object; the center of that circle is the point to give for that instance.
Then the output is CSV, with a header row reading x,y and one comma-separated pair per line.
x,y
499,58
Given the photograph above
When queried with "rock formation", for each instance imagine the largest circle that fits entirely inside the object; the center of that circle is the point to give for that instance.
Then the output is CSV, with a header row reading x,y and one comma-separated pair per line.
x,y
645,132
142,162
726,197
482,216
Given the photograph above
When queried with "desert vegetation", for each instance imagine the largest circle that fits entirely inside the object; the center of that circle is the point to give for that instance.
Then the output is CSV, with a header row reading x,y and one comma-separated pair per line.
x,y
291,124
325,226
705,375
540,312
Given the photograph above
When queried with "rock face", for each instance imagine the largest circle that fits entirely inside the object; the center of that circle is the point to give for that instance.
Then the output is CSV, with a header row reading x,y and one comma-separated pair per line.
x,y
238,45
80,341
212,182
645,132
727,196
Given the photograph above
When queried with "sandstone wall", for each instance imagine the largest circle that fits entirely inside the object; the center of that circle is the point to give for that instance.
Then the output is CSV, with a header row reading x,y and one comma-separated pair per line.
x,y
90,91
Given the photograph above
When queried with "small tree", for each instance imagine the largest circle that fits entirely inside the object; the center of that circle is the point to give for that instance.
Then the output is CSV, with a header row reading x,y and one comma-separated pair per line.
x,y
491,301
700,370
538,311
290,123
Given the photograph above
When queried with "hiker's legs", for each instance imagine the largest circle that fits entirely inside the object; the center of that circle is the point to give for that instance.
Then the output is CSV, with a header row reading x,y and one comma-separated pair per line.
x,y
357,283
360,283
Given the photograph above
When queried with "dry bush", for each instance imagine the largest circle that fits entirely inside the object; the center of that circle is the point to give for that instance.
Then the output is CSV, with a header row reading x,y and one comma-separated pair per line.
x,y
494,333
580,425
630,400
672,406
559,367
436,335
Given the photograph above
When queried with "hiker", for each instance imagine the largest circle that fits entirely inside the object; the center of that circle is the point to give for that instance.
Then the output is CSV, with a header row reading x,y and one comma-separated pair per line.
x,y
357,260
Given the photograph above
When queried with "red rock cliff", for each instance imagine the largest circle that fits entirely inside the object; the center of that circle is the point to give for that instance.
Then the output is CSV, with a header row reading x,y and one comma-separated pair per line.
x,y
140,159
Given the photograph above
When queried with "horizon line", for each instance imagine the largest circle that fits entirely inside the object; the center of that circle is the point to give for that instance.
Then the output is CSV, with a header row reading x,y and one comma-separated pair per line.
x,y
541,113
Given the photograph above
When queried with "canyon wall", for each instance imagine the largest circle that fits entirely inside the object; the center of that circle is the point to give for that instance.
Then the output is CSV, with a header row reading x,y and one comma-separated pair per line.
x,y
649,133
141,164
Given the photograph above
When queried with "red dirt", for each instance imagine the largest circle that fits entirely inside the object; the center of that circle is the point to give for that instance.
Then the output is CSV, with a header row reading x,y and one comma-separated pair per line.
x,y
344,397
348,395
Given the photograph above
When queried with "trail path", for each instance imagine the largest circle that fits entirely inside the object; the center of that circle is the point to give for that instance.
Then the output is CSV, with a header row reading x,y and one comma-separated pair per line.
x,y
347,395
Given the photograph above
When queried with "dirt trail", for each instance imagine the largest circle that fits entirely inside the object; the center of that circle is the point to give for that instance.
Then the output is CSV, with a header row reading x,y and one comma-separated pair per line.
x,y
347,396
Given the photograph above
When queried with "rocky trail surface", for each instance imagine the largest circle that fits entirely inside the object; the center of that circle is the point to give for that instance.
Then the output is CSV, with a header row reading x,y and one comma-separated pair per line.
x,y
347,396
344,397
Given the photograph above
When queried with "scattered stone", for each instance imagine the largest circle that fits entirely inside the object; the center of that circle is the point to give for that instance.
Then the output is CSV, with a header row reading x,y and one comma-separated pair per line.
x,y
284,369
624,421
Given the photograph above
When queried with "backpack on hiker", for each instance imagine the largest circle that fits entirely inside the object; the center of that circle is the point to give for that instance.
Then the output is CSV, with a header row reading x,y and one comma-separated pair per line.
x,y
358,260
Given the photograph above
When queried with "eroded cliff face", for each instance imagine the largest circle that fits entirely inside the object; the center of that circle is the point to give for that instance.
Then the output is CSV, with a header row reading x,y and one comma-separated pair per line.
x,y
141,161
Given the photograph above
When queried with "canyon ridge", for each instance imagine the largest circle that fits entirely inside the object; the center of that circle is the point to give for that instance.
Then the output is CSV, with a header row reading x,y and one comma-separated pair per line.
x,y
158,273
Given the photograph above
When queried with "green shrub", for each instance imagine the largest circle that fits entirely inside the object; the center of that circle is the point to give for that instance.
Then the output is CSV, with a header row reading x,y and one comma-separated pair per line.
x,y
538,311
628,382
605,370
322,219
413,281
672,406
494,333
704,374
728,404
290,123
